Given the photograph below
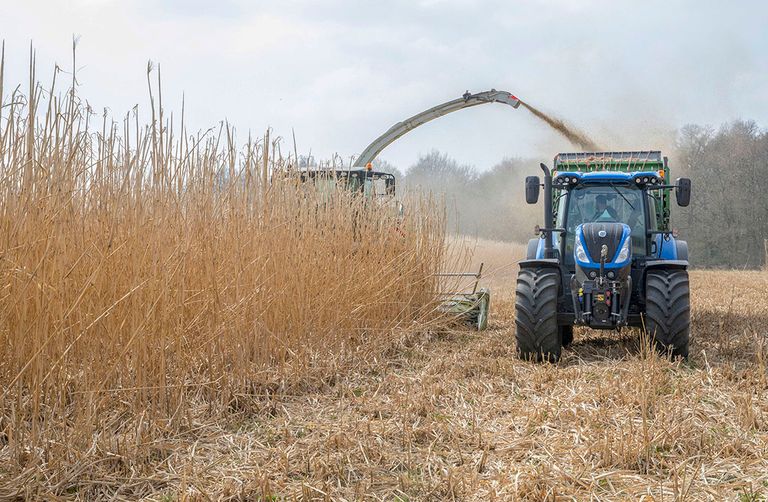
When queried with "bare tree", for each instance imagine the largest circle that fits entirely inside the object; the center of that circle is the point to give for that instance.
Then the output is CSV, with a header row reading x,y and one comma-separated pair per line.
x,y
727,221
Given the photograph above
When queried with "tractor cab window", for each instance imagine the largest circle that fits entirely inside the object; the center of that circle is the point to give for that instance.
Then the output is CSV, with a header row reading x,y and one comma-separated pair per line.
x,y
355,182
652,216
611,204
375,186
380,185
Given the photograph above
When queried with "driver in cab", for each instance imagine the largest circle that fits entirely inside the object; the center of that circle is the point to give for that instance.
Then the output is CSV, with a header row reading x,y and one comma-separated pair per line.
x,y
603,211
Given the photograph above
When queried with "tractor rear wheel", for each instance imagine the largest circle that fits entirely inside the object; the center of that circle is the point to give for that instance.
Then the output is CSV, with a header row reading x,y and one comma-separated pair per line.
x,y
668,310
537,334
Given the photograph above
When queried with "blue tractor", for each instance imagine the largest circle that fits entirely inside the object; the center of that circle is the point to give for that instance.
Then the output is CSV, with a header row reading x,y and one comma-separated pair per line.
x,y
606,257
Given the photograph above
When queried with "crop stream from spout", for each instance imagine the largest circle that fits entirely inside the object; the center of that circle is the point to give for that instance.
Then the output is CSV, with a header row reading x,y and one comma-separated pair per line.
x,y
576,137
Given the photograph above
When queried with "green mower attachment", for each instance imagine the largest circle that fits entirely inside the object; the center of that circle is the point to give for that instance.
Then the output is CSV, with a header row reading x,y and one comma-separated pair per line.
x,y
469,308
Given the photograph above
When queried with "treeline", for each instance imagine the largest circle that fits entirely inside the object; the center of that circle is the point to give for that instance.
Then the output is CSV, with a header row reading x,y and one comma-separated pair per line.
x,y
726,223
488,204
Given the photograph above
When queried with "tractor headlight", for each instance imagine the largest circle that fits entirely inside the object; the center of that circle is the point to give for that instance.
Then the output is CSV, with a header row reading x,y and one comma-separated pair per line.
x,y
581,255
623,252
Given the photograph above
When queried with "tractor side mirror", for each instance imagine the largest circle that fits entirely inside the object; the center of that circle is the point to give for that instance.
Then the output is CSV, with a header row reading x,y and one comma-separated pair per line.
x,y
532,189
683,192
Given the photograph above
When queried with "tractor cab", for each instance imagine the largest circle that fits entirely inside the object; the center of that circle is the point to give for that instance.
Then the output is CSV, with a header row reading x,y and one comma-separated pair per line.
x,y
611,197
598,203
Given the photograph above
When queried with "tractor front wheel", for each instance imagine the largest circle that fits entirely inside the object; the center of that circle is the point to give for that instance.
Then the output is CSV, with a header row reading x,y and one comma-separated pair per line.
x,y
538,336
668,310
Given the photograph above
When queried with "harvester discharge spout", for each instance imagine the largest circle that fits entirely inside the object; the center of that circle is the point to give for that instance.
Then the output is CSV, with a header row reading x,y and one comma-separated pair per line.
x,y
467,100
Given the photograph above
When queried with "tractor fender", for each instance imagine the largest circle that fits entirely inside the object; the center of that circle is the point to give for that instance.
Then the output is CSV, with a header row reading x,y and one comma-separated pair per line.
x,y
670,248
667,264
662,265
540,262
536,248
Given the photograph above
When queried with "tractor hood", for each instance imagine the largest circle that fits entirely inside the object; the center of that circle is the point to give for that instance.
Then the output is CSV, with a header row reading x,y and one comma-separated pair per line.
x,y
590,239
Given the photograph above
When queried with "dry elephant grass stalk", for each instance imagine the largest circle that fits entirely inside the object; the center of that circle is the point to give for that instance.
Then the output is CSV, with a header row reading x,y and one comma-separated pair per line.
x,y
146,276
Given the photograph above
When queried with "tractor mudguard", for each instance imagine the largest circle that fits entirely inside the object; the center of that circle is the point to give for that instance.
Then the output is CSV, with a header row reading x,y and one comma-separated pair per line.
x,y
668,264
540,262
670,248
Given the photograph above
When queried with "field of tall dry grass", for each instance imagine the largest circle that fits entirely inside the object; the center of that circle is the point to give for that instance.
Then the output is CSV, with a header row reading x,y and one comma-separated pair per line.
x,y
180,319
152,278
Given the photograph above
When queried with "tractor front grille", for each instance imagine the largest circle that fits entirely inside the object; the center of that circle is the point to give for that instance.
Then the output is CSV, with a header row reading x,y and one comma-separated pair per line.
x,y
611,237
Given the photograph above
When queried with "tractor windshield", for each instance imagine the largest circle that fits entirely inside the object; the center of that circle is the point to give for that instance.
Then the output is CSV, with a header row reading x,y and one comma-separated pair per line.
x,y
606,203
373,184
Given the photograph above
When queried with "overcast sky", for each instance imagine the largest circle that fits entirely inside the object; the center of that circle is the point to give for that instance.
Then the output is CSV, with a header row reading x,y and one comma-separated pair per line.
x,y
340,72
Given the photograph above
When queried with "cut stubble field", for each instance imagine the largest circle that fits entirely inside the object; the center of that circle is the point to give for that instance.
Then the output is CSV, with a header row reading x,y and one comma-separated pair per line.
x,y
455,415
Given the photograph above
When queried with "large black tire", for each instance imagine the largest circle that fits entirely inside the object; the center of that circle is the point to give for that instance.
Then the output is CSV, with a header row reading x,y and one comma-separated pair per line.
x,y
566,335
668,310
538,337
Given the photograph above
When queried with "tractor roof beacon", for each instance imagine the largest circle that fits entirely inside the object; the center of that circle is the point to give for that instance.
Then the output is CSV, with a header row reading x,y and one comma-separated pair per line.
x,y
606,257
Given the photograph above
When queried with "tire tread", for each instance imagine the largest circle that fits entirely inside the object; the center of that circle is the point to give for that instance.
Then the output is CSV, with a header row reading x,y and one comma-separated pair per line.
x,y
668,311
537,334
